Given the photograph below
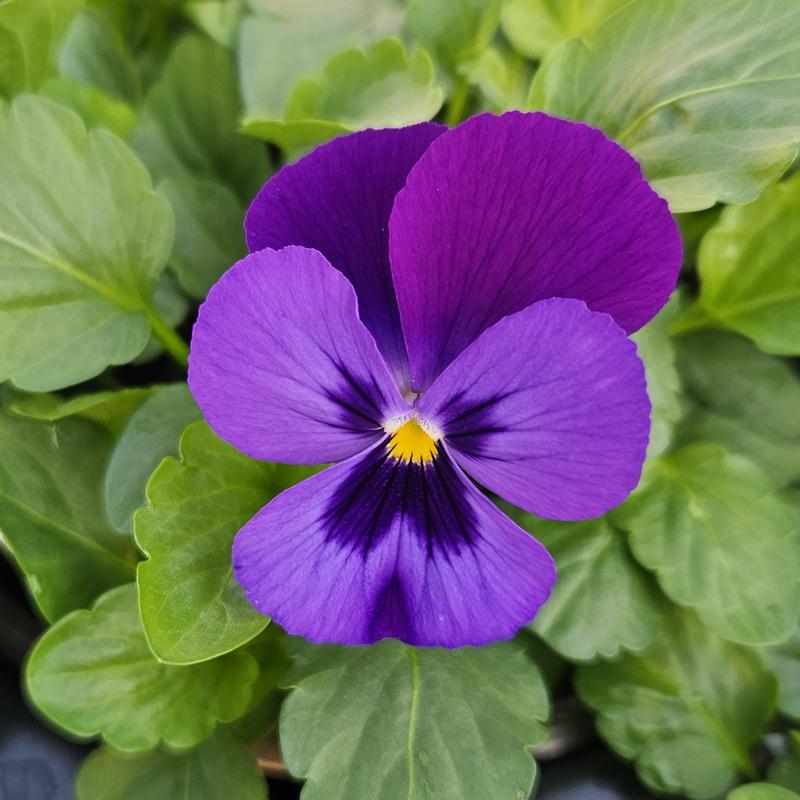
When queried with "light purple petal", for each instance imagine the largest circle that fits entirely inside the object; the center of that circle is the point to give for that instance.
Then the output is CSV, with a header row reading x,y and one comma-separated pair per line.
x,y
549,409
504,211
337,199
281,365
379,547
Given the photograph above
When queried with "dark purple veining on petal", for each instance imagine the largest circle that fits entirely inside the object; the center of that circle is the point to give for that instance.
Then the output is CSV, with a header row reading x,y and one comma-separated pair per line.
x,y
360,404
428,498
374,548
468,421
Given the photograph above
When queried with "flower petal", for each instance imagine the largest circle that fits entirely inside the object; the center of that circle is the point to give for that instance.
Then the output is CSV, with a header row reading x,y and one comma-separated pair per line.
x,y
549,409
281,365
380,547
337,199
504,211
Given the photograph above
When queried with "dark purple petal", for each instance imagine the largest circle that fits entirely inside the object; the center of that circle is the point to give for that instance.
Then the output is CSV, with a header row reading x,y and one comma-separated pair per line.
x,y
383,547
504,211
281,365
549,409
338,200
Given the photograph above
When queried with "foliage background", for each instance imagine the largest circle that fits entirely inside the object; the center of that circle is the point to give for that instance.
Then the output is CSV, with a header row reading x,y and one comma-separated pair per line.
x,y
132,137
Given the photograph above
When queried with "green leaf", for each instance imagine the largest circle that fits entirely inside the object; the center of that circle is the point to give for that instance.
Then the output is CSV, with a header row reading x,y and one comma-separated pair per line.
x,y
745,400
762,791
192,607
705,95
172,305
381,87
535,27
603,602
724,372
394,722
720,540
455,32
30,31
784,660
500,75
693,228
221,768
749,268
270,650
286,40
785,770
219,19
93,674
81,248
92,105
686,712
95,53
663,382
778,457
208,232
152,433
109,409
147,29
52,516
189,121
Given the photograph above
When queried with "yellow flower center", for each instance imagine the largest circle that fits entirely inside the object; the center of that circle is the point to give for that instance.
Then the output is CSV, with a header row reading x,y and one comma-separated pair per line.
x,y
411,443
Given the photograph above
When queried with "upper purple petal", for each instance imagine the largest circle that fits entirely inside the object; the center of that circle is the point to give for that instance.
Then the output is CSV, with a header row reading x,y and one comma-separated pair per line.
x,y
504,211
380,547
281,365
549,409
338,199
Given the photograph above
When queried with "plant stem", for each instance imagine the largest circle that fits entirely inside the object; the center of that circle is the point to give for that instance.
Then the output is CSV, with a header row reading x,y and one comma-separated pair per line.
x,y
170,340
457,104
695,319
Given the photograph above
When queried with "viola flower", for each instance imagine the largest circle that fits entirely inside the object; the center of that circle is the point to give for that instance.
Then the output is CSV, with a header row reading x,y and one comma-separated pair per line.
x,y
421,305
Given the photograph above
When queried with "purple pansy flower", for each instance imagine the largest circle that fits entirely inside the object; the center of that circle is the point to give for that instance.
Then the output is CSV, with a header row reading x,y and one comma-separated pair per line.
x,y
421,305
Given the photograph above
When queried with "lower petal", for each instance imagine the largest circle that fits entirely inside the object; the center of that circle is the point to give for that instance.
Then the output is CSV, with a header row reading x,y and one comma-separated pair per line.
x,y
379,546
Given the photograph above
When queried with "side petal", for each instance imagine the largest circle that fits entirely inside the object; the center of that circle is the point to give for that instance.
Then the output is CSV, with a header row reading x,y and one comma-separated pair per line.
x,y
549,409
337,199
380,547
504,211
281,365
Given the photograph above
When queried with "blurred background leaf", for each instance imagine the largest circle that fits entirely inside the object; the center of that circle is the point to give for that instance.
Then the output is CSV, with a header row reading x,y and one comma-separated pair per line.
x,y
380,87
282,41
704,95
686,712
749,269
79,284
52,514
221,768
151,433
30,32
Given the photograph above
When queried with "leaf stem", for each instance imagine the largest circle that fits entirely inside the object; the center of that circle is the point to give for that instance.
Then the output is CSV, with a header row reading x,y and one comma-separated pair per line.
x,y
457,104
170,340
693,319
